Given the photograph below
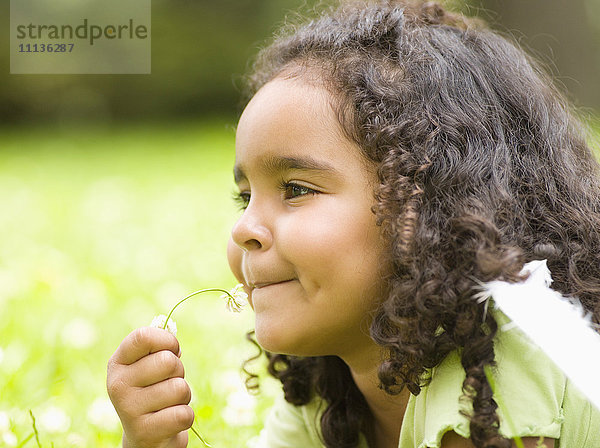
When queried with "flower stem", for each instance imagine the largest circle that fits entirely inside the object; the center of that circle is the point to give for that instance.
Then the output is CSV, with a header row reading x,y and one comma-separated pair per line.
x,y
200,437
191,295
164,327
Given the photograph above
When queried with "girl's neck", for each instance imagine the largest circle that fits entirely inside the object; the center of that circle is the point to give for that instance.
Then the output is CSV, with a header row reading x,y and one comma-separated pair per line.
x,y
387,411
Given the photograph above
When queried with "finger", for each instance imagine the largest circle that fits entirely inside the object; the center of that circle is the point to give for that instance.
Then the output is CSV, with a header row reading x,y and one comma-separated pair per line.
x,y
154,368
168,422
179,441
168,393
144,341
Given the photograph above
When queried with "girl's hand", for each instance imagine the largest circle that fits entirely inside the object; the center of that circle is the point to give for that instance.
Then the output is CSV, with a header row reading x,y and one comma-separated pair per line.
x,y
145,384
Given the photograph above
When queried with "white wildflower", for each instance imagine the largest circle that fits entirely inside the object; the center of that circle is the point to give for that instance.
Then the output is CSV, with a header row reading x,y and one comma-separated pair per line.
x,y
102,414
229,381
75,440
159,322
9,438
4,421
253,442
240,409
236,298
54,420
13,356
79,333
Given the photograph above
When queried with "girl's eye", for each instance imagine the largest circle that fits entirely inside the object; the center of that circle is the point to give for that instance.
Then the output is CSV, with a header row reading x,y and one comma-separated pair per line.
x,y
242,199
292,191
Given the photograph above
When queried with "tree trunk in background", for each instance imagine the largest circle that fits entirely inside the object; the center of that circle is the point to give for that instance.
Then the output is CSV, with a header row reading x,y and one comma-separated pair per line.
x,y
564,34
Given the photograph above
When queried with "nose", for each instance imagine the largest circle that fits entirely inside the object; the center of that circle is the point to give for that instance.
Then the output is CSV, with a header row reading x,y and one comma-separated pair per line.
x,y
250,231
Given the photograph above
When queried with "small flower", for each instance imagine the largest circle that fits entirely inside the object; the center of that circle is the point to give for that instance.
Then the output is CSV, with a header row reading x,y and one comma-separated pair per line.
x,y
252,442
79,333
74,439
240,409
159,322
9,438
54,420
102,414
235,298
4,422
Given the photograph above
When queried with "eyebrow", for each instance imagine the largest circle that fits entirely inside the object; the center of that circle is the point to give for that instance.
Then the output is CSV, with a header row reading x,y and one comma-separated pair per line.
x,y
277,164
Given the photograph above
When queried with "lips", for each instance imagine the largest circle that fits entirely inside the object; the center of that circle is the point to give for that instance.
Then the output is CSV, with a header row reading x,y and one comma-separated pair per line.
x,y
264,284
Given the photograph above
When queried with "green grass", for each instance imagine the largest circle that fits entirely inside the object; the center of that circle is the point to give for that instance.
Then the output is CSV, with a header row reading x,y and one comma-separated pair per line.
x,y
100,230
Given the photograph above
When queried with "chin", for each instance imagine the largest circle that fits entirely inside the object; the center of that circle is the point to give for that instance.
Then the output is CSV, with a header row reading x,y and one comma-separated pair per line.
x,y
269,341
284,343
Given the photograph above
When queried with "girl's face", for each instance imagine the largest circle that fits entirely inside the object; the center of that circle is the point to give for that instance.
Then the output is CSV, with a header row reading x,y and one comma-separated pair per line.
x,y
306,246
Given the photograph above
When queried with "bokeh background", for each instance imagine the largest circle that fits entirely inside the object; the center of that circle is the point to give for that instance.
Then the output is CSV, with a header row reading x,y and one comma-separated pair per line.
x,y
115,202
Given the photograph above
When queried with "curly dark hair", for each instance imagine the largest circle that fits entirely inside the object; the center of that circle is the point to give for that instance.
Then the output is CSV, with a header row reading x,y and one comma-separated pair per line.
x,y
482,167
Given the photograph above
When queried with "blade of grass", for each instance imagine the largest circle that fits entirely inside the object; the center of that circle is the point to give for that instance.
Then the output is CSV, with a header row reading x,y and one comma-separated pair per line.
x,y
35,431
27,439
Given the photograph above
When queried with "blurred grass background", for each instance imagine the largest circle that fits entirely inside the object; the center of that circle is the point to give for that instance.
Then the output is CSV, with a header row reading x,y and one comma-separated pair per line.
x,y
115,203
100,232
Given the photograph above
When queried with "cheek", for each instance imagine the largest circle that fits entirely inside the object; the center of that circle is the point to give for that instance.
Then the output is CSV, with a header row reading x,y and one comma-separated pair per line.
x,y
333,243
309,237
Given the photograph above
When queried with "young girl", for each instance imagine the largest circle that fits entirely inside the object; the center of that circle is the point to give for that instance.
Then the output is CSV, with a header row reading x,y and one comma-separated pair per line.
x,y
392,156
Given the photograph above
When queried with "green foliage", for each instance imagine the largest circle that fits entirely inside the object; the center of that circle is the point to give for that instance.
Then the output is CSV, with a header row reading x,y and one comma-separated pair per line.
x,y
200,49
100,231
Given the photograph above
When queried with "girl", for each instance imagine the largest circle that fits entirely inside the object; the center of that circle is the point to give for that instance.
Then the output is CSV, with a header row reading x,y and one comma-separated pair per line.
x,y
392,156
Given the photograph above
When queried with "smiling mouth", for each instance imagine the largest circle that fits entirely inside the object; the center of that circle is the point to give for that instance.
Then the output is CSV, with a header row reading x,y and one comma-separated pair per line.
x,y
265,284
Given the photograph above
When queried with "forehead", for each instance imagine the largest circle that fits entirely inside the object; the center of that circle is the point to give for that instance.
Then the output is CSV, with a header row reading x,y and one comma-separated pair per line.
x,y
292,118
288,108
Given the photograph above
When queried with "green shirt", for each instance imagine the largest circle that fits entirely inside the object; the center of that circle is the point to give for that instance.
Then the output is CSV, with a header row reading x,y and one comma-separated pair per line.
x,y
540,400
